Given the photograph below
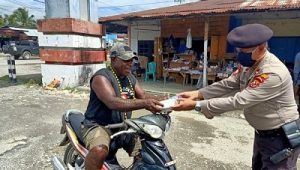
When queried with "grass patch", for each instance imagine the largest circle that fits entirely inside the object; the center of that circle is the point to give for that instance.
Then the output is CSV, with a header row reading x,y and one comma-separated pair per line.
x,y
27,80
71,89
4,78
33,82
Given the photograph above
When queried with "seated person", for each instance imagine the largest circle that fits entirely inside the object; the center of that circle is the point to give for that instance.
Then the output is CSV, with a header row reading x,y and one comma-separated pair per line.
x,y
115,92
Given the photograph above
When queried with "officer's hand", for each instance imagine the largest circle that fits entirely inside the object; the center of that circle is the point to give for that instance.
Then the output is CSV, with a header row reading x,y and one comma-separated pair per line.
x,y
192,95
153,105
184,104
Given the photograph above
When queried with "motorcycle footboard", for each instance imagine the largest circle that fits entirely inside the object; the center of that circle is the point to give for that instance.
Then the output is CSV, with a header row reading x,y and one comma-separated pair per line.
x,y
58,164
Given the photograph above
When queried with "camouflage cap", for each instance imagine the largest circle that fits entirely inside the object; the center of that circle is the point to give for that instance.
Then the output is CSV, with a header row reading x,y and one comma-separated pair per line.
x,y
122,51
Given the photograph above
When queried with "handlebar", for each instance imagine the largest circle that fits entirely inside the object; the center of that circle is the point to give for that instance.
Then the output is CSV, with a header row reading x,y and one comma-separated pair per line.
x,y
116,125
123,132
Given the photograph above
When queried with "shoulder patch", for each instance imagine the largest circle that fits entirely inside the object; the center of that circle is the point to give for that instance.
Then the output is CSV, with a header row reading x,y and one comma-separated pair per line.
x,y
259,79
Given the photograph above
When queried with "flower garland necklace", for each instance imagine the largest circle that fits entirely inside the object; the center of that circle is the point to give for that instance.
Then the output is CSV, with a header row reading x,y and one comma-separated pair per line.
x,y
120,87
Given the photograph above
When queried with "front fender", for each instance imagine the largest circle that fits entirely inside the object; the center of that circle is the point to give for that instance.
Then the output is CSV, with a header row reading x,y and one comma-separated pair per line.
x,y
156,153
65,141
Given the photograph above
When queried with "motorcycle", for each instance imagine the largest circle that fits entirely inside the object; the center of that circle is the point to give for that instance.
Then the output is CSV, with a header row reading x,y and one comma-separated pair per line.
x,y
150,128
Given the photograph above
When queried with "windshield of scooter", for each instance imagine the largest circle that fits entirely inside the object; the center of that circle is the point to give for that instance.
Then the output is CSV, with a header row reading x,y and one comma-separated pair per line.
x,y
154,125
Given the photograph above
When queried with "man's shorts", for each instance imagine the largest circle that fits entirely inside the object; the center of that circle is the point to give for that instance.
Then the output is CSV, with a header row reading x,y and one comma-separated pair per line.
x,y
97,135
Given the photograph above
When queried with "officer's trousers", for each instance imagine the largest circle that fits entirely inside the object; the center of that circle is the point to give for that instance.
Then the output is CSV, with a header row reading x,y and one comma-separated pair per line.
x,y
266,146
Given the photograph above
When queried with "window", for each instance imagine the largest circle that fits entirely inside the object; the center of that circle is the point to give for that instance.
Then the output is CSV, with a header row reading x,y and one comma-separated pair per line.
x,y
25,43
146,48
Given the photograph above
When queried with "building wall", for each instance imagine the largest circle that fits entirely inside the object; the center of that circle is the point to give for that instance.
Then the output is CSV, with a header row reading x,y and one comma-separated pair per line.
x,y
218,26
143,30
284,24
285,41
280,27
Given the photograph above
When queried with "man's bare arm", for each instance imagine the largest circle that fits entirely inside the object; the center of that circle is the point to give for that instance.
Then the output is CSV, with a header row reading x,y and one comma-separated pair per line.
x,y
107,95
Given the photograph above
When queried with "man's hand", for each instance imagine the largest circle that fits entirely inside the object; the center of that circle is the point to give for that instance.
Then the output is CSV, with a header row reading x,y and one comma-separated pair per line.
x,y
192,95
153,105
184,104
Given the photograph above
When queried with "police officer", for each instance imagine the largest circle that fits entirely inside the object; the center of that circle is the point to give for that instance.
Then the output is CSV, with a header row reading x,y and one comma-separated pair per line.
x,y
262,87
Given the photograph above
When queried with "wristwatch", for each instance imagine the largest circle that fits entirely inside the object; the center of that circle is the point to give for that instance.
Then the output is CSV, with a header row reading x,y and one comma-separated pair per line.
x,y
198,106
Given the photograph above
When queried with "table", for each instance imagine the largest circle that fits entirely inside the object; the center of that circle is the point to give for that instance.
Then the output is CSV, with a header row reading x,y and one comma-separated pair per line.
x,y
175,72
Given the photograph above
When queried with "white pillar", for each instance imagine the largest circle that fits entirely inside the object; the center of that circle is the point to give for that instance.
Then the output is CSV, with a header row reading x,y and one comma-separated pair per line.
x,y
206,25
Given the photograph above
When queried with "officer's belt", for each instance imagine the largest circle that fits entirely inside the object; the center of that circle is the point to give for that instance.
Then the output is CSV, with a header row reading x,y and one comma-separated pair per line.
x,y
270,133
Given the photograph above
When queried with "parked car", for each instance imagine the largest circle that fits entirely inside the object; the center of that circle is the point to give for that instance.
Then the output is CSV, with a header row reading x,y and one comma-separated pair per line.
x,y
24,49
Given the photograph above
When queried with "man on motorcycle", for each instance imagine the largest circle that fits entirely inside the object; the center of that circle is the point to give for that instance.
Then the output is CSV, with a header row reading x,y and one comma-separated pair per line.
x,y
115,92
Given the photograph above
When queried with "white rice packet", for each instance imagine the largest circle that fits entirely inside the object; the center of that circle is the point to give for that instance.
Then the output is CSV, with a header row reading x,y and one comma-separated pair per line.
x,y
168,103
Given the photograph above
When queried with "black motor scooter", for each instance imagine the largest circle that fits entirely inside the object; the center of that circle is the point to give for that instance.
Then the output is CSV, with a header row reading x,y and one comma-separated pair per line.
x,y
150,129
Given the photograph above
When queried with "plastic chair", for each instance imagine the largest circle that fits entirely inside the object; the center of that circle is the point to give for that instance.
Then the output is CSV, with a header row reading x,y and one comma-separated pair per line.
x,y
151,70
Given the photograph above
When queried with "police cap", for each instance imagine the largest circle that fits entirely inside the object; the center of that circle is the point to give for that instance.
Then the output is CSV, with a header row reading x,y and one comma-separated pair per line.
x,y
249,35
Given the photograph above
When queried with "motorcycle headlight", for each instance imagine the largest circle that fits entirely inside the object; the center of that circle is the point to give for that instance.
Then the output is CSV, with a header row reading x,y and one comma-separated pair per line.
x,y
153,130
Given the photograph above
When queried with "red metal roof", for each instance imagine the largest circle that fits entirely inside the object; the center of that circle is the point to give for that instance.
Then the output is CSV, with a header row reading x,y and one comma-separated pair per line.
x,y
210,7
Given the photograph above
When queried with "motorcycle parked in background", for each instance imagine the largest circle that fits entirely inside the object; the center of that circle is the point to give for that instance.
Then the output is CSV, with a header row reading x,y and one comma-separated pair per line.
x,y
150,128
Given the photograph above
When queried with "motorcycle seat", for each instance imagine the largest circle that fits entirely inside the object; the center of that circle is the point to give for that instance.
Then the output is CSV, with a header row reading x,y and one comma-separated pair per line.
x,y
75,120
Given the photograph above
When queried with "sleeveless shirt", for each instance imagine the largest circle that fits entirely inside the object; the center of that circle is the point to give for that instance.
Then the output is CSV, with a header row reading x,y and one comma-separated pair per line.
x,y
97,112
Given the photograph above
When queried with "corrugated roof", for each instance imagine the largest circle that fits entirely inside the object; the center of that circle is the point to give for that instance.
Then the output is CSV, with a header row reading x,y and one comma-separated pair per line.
x,y
28,32
209,7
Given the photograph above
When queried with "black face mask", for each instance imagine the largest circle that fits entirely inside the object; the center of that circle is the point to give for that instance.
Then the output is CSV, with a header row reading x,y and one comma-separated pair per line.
x,y
245,59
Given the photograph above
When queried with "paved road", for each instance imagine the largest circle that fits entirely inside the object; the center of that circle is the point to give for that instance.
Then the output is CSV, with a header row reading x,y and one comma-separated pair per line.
x,y
30,122
31,117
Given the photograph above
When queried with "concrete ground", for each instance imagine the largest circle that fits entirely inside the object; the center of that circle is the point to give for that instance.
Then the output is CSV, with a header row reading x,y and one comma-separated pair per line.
x,y
31,118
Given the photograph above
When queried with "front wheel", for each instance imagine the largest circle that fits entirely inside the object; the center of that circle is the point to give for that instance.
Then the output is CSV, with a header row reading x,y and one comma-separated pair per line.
x,y
71,157
26,55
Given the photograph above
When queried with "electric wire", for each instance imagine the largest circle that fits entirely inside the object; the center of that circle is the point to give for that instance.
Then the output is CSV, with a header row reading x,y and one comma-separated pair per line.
x,y
25,5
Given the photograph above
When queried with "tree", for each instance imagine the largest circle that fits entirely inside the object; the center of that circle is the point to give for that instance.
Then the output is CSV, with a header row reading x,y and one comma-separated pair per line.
x,y
23,19
19,18
10,20
2,22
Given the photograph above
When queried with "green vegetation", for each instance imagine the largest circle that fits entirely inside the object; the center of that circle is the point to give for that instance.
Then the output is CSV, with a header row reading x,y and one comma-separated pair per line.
x,y
4,78
19,18
28,80
71,89
33,82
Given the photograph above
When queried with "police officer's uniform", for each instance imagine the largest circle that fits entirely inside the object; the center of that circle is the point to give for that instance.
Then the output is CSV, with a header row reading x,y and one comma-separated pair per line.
x,y
264,92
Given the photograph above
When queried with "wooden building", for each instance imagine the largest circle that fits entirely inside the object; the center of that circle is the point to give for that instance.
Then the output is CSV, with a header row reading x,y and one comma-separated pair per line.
x,y
150,32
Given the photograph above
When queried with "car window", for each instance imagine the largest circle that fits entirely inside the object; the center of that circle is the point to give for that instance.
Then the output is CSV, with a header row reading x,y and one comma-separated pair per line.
x,y
24,43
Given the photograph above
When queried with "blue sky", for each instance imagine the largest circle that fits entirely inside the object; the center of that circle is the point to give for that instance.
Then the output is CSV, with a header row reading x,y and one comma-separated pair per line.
x,y
35,8
114,7
105,8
